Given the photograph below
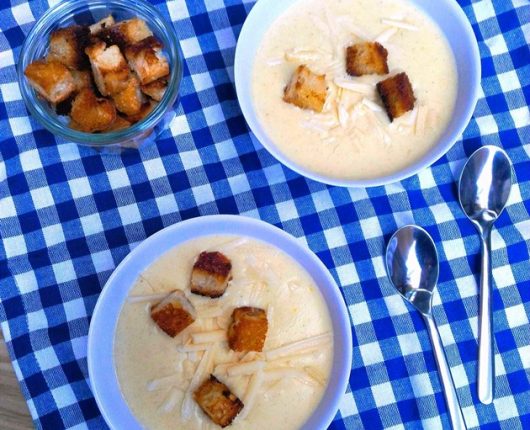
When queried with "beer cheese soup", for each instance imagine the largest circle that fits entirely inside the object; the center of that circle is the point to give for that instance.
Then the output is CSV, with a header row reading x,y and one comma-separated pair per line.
x,y
354,89
224,331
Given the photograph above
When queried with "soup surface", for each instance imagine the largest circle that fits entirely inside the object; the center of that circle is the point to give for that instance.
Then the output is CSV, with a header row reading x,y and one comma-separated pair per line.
x,y
353,138
155,370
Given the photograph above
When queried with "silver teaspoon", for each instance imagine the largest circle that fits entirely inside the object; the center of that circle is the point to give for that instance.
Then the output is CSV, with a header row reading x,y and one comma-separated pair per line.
x,y
412,266
484,189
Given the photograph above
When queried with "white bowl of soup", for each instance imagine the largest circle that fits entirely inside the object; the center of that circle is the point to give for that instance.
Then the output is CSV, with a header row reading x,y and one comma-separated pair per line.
x,y
144,374
336,124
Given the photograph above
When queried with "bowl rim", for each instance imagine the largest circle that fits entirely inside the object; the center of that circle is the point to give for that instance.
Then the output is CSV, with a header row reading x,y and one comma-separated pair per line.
x,y
103,378
53,125
241,67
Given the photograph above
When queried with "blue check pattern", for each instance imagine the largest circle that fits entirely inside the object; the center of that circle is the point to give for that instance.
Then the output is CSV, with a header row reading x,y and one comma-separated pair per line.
x,y
69,215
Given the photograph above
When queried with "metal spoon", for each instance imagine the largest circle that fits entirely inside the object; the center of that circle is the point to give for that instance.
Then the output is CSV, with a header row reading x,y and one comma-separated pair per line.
x,y
484,189
412,266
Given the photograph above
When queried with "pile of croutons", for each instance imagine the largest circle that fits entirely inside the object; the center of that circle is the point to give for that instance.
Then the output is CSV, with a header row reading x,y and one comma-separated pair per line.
x,y
105,77
210,276
307,90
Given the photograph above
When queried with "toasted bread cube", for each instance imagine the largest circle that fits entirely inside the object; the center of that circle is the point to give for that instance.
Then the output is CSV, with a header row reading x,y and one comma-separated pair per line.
x,y
397,95
109,68
306,90
102,25
218,402
67,46
174,313
82,79
147,60
211,274
90,114
126,33
156,89
130,100
119,124
51,79
248,329
367,58
146,109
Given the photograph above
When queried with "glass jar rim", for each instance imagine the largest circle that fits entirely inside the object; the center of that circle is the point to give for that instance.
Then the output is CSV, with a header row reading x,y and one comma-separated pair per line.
x,y
51,122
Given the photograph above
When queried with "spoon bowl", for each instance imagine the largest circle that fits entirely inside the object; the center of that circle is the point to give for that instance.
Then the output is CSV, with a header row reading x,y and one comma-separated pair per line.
x,y
412,265
485,185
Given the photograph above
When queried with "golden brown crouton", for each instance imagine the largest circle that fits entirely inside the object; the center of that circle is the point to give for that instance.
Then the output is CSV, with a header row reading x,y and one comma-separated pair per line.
x,y
147,60
67,46
101,25
90,114
109,68
248,329
146,109
126,33
217,401
82,79
130,100
156,89
119,124
306,90
397,95
51,79
211,274
174,313
367,58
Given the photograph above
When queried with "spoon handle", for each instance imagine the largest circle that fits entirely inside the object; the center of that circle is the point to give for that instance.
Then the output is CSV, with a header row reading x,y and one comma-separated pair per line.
x,y
485,341
448,386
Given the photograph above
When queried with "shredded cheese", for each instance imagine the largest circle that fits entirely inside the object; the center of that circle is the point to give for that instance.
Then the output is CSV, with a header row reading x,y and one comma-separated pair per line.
x,y
208,336
421,119
357,87
386,35
299,346
199,375
170,402
372,105
247,368
252,391
399,24
147,298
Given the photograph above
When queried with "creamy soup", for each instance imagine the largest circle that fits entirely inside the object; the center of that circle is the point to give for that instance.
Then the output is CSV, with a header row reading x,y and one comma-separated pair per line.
x,y
155,370
353,138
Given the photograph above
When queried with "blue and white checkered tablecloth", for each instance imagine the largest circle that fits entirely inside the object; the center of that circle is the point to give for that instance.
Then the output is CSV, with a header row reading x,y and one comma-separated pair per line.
x,y
69,215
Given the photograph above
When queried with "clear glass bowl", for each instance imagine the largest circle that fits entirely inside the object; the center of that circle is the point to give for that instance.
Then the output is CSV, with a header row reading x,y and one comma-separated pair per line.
x,y
86,12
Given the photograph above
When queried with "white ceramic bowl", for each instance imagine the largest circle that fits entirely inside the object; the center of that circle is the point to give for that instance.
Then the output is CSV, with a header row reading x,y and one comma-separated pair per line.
x,y
453,23
101,367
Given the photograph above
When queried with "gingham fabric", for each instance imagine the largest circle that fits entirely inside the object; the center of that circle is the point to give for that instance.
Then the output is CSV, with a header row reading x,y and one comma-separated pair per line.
x,y
69,215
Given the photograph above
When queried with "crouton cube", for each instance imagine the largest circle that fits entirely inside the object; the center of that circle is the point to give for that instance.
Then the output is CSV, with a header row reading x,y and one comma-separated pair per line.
x,y
90,114
102,24
306,90
67,46
52,80
119,124
126,33
109,68
367,58
130,100
146,109
174,313
82,79
147,60
211,274
156,89
218,402
248,329
397,95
